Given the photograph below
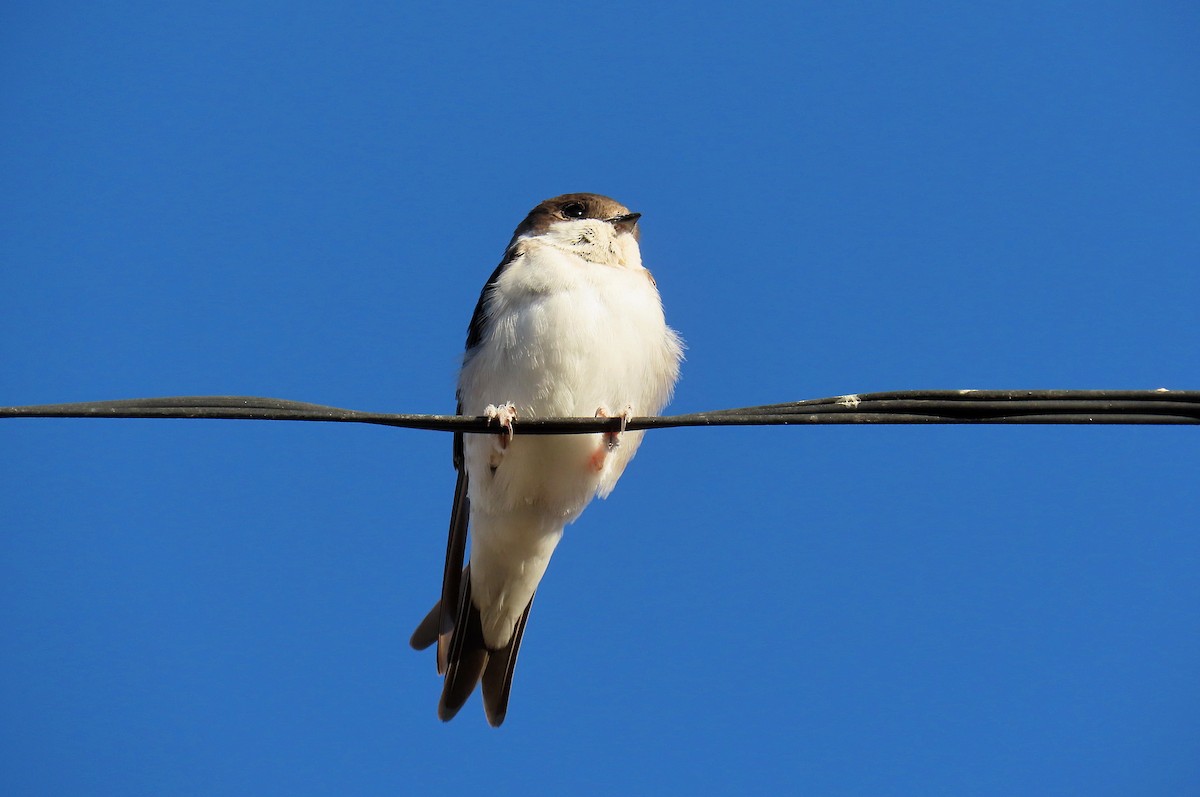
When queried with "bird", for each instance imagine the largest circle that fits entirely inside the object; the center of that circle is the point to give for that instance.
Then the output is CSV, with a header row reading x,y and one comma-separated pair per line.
x,y
570,324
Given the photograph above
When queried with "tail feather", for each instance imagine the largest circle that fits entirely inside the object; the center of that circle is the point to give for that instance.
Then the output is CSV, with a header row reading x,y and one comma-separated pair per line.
x,y
467,660
498,675
467,657
427,631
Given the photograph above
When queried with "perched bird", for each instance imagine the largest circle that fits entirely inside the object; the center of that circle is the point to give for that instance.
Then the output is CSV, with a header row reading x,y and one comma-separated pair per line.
x,y
569,324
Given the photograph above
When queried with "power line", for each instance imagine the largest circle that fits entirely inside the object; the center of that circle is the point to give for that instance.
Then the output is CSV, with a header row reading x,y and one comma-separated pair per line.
x,y
1106,407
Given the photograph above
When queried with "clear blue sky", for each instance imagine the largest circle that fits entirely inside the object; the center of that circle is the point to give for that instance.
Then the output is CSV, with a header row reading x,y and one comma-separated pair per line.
x,y
302,200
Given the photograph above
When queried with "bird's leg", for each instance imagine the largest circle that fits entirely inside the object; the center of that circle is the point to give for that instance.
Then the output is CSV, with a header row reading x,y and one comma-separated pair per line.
x,y
611,439
505,414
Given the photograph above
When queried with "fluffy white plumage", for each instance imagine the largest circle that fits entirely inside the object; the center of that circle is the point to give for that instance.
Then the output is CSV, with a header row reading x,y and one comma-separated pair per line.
x,y
574,325
570,324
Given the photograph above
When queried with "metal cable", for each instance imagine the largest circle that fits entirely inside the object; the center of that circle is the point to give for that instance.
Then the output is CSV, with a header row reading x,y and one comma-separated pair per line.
x,y
902,407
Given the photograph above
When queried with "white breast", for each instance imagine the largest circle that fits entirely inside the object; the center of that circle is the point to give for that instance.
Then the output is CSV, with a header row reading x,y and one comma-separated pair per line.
x,y
574,324
566,336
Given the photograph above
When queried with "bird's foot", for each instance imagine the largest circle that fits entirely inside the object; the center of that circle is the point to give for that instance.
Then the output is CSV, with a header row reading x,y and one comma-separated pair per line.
x,y
504,415
612,439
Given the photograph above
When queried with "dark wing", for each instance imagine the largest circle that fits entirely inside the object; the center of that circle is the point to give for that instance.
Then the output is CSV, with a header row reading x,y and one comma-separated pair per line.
x,y
460,511
456,550
438,625
477,327
454,623
467,655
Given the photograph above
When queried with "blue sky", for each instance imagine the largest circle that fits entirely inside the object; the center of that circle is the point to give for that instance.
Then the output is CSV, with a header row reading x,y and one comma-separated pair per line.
x,y
302,201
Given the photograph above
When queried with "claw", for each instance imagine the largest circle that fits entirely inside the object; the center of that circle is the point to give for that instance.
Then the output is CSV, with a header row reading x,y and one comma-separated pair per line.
x,y
505,414
613,439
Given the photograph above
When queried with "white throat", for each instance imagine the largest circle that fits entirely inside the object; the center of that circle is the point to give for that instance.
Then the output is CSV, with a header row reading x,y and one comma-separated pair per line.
x,y
595,240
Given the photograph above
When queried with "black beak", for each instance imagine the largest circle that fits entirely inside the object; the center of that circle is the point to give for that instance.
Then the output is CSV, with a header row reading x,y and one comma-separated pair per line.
x,y
625,223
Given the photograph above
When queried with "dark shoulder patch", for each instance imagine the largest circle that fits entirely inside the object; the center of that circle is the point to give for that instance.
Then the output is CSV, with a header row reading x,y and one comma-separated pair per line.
x,y
479,317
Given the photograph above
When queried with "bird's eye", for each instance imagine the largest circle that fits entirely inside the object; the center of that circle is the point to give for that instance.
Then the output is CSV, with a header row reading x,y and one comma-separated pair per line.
x,y
574,210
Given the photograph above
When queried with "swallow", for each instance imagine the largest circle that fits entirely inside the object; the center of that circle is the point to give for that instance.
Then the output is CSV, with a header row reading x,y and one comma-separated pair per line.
x,y
570,324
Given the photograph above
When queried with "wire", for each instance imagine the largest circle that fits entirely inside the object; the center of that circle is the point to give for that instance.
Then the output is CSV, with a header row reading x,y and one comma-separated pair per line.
x,y
1160,406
